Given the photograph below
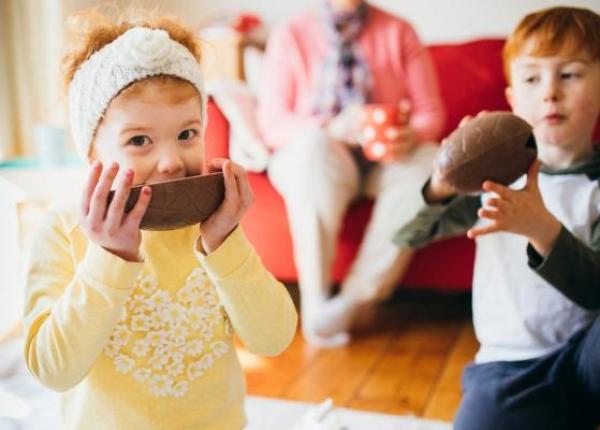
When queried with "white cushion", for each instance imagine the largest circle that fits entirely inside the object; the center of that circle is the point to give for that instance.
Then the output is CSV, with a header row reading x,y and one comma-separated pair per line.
x,y
238,104
253,68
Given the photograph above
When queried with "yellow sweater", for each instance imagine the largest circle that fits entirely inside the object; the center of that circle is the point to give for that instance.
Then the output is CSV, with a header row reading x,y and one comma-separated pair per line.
x,y
149,345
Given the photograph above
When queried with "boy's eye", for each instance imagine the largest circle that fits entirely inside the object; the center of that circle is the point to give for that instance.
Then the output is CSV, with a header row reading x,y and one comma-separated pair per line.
x,y
139,140
187,134
569,75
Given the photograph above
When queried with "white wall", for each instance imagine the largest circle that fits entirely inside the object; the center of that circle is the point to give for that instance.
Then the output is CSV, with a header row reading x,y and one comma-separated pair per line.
x,y
435,20
447,20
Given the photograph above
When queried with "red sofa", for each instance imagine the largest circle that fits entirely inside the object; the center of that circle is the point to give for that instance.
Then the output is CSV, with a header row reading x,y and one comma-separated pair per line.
x,y
471,80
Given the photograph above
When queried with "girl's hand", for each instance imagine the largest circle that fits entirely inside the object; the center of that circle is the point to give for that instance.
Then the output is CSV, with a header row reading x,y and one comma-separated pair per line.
x,y
238,198
107,224
521,212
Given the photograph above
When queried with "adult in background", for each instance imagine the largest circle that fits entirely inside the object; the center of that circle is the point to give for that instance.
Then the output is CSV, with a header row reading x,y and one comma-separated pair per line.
x,y
321,69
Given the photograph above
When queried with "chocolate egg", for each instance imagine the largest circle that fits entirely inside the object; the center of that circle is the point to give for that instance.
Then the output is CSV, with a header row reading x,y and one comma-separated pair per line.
x,y
180,202
496,146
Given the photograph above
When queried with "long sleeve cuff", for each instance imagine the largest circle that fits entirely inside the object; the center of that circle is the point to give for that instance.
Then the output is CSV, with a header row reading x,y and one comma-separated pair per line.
x,y
571,267
555,259
418,232
107,272
228,257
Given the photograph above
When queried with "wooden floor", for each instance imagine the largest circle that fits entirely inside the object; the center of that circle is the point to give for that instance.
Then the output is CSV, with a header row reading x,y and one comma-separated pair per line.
x,y
406,359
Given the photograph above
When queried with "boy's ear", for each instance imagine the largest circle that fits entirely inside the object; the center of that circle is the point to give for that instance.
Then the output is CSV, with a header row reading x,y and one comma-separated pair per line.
x,y
508,93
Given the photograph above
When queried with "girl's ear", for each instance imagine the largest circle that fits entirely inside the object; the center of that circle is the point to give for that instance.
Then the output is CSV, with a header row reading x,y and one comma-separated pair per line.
x,y
508,93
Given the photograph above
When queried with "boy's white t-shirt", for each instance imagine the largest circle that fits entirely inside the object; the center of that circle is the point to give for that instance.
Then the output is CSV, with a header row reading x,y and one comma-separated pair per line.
x,y
517,314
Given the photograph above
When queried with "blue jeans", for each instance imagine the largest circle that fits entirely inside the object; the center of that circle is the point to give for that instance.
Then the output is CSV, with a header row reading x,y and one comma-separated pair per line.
x,y
559,391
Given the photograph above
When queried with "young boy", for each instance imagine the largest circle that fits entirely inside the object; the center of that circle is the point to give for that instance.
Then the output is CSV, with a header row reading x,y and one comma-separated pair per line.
x,y
536,286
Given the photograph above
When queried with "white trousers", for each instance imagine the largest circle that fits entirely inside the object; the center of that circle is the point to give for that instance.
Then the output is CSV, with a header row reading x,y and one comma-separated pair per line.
x,y
318,179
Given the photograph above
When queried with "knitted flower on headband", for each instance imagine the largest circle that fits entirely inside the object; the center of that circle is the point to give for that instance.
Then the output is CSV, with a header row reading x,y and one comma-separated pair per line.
x,y
137,54
153,49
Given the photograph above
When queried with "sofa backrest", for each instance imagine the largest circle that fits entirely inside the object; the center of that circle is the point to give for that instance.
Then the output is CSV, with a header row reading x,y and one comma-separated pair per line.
x,y
471,78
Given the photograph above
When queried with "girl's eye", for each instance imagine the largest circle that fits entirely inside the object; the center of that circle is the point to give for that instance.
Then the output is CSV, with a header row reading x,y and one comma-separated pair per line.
x,y
531,79
187,134
139,140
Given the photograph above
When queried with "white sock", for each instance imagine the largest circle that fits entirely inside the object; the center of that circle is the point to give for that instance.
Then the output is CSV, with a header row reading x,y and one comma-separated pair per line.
x,y
334,341
317,326
334,316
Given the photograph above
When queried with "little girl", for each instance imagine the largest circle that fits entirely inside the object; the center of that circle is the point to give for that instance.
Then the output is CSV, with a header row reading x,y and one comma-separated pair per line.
x,y
135,327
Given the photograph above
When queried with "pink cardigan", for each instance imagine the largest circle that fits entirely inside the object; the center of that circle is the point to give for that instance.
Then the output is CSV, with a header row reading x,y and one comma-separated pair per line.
x,y
400,65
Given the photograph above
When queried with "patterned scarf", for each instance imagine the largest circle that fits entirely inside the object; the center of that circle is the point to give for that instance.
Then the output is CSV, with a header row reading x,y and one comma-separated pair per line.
x,y
345,76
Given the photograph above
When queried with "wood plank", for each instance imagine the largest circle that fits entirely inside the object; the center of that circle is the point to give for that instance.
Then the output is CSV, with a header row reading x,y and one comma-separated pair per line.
x,y
399,392
270,376
447,392
402,380
339,372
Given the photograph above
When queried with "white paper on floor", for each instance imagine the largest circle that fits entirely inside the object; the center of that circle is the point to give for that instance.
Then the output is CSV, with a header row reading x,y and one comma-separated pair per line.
x,y
274,414
26,405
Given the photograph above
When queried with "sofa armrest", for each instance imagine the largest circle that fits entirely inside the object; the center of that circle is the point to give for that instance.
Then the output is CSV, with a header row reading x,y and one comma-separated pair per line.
x,y
216,137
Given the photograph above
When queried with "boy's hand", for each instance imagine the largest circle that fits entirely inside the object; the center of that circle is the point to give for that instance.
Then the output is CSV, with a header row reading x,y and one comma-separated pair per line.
x,y
521,212
238,198
467,118
107,224
438,189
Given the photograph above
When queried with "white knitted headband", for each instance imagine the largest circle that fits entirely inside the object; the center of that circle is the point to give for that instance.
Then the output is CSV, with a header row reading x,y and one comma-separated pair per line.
x,y
137,54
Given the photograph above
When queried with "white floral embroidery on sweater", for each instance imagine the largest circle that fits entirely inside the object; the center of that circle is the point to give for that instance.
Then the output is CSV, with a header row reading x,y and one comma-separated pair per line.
x,y
168,342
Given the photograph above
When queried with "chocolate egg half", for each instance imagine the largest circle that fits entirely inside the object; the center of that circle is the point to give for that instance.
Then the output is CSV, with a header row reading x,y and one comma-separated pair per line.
x,y
496,146
180,202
